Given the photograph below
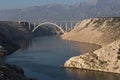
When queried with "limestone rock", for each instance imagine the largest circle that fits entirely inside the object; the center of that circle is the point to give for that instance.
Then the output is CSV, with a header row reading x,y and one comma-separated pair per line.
x,y
106,59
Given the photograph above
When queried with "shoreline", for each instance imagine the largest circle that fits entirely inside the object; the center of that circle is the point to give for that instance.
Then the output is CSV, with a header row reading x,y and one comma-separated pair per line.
x,y
104,31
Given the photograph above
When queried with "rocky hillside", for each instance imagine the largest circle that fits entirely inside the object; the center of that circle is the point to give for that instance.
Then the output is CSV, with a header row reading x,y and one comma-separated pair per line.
x,y
106,59
11,33
101,31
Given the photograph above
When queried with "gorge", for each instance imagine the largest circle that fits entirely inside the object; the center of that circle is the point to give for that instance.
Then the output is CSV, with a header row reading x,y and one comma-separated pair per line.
x,y
48,53
40,40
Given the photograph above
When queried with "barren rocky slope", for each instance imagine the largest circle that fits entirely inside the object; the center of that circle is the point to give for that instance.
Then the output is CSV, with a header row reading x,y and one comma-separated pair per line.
x,y
101,31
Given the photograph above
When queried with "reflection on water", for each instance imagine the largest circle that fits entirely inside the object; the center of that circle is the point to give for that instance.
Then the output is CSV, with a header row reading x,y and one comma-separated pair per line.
x,y
91,75
77,46
84,47
26,43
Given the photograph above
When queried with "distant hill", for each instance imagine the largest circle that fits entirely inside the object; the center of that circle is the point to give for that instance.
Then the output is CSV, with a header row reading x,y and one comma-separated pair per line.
x,y
79,11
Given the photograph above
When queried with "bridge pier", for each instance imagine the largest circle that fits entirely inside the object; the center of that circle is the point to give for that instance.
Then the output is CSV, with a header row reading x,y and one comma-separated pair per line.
x,y
24,23
66,26
29,26
71,25
60,24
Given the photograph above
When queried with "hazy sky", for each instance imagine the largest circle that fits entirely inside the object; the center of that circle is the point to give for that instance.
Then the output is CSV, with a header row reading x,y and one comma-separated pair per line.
x,y
9,4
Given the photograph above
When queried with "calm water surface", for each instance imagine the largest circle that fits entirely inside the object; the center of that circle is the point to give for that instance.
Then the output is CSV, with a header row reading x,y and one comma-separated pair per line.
x,y
42,57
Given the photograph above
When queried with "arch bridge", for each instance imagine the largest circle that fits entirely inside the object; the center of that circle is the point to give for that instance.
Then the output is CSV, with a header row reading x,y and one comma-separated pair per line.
x,y
64,26
48,23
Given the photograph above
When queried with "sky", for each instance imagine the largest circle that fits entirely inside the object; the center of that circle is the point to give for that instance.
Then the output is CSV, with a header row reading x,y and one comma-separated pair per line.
x,y
13,4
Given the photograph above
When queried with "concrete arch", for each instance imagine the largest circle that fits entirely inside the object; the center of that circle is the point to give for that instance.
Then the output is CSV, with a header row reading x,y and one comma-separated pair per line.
x,y
44,23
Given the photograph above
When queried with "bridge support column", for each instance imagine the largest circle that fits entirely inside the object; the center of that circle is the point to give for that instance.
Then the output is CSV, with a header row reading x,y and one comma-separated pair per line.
x,y
66,26
71,25
60,24
24,23
29,27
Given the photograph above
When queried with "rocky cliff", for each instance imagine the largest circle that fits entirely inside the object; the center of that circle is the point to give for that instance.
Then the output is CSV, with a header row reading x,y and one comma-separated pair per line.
x,y
101,31
106,59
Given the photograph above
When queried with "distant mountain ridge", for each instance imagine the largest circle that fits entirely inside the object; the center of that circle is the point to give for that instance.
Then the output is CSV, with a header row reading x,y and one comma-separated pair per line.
x,y
79,11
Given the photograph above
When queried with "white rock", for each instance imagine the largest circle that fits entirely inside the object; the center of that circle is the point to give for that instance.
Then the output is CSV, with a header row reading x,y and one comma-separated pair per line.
x,y
106,59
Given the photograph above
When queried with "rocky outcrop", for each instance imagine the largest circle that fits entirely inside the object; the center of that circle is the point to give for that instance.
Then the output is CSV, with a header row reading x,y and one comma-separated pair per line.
x,y
101,31
11,72
106,59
